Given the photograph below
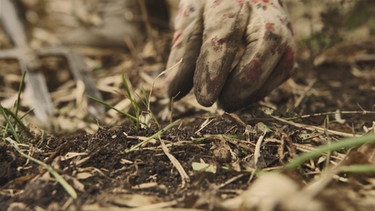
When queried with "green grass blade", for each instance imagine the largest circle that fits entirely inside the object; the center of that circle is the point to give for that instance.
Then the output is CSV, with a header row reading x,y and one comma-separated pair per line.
x,y
130,96
160,132
370,169
68,188
133,102
26,113
127,88
147,103
16,104
18,120
9,124
341,144
131,117
146,99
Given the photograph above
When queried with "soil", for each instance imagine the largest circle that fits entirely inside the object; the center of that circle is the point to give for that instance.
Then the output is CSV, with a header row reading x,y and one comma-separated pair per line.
x,y
92,154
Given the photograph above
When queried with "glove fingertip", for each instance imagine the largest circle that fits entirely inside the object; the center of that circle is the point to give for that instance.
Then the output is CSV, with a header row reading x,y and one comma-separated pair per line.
x,y
182,82
180,86
207,86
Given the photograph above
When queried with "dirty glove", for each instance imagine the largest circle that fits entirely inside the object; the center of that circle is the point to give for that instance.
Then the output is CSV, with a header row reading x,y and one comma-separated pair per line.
x,y
233,51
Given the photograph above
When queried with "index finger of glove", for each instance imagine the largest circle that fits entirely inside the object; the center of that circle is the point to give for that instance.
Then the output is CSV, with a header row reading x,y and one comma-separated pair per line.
x,y
186,45
224,27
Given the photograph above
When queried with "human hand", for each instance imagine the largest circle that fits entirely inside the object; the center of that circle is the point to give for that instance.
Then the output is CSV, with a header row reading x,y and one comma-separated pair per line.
x,y
233,51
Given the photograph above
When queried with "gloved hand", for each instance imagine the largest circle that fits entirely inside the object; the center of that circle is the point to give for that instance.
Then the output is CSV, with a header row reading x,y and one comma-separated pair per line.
x,y
233,51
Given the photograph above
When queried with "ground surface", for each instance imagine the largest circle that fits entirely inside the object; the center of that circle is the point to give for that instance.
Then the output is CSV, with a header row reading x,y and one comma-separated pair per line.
x,y
92,153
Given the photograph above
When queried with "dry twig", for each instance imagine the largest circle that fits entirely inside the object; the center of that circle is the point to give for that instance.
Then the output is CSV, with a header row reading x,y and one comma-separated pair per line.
x,y
184,176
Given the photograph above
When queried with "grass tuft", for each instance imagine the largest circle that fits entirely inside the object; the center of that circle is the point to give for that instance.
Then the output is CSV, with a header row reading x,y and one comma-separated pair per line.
x,y
13,122
141,117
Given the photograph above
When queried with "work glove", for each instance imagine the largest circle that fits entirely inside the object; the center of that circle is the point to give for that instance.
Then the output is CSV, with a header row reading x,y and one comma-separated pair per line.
x,y
232,51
